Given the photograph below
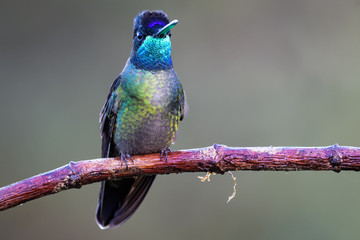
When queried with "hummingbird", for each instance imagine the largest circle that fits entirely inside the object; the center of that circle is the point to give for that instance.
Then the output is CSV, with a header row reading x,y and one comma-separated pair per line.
x,y
141,114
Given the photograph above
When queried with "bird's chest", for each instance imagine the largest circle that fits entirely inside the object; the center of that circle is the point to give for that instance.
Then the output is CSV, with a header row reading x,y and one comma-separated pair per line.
x,y
147,116
151,89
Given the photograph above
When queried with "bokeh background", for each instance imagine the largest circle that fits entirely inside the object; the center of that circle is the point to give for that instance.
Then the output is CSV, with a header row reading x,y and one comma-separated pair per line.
x,y
256,73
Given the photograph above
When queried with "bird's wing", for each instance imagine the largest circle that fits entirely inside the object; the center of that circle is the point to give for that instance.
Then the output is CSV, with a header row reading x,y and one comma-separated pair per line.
x,y
183,103
108,116
182,107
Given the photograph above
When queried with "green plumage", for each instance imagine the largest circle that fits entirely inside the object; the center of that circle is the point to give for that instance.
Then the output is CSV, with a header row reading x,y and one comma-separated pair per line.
x,y
144,108
141,114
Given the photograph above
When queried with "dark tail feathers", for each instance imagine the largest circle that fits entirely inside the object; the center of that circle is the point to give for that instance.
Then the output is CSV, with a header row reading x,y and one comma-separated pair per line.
x,y
118,200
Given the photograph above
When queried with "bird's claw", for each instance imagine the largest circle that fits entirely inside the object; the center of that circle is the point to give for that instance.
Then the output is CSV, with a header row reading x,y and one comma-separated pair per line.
x,y
164,152
124,158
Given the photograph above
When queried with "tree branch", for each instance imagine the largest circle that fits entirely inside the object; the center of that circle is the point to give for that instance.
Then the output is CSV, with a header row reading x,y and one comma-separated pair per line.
x,y
217,158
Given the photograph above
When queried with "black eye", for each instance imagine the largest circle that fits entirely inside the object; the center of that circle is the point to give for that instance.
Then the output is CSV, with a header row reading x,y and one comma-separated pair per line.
x,y
139,35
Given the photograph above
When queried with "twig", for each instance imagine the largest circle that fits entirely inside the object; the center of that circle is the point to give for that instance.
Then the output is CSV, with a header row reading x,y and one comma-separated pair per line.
x,y
234,191
217,159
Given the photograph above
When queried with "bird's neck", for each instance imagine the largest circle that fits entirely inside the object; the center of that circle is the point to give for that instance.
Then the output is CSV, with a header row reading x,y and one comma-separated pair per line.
x,y
153,54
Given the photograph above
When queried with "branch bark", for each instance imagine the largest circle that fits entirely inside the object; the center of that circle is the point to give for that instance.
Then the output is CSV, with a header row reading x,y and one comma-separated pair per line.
x,y
217,158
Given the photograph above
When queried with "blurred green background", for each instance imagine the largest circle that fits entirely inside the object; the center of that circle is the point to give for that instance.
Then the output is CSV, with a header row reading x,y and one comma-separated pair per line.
x,y
256,73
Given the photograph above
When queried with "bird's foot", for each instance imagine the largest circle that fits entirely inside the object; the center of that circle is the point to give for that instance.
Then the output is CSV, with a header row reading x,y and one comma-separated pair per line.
x,y
124,158
164,152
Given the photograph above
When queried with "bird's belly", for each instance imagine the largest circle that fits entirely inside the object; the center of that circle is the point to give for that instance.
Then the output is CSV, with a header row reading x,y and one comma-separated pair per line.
x,y
145,131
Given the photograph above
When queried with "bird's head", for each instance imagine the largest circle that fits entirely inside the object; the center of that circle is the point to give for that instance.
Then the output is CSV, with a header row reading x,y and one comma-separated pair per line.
x,y
151,41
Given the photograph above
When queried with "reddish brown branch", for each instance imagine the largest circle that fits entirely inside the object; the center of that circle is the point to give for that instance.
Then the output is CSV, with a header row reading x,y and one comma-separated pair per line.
x,y
217,158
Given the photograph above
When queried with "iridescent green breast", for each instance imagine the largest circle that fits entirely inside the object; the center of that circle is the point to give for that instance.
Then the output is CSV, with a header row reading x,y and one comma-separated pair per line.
x,y
148,110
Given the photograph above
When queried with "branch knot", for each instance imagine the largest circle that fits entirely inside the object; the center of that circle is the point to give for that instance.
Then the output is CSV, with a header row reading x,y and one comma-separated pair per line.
x,y
336,158
75,179
219,158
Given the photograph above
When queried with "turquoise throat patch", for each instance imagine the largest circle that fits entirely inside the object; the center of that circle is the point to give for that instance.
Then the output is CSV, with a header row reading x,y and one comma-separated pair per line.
x,y
153,54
